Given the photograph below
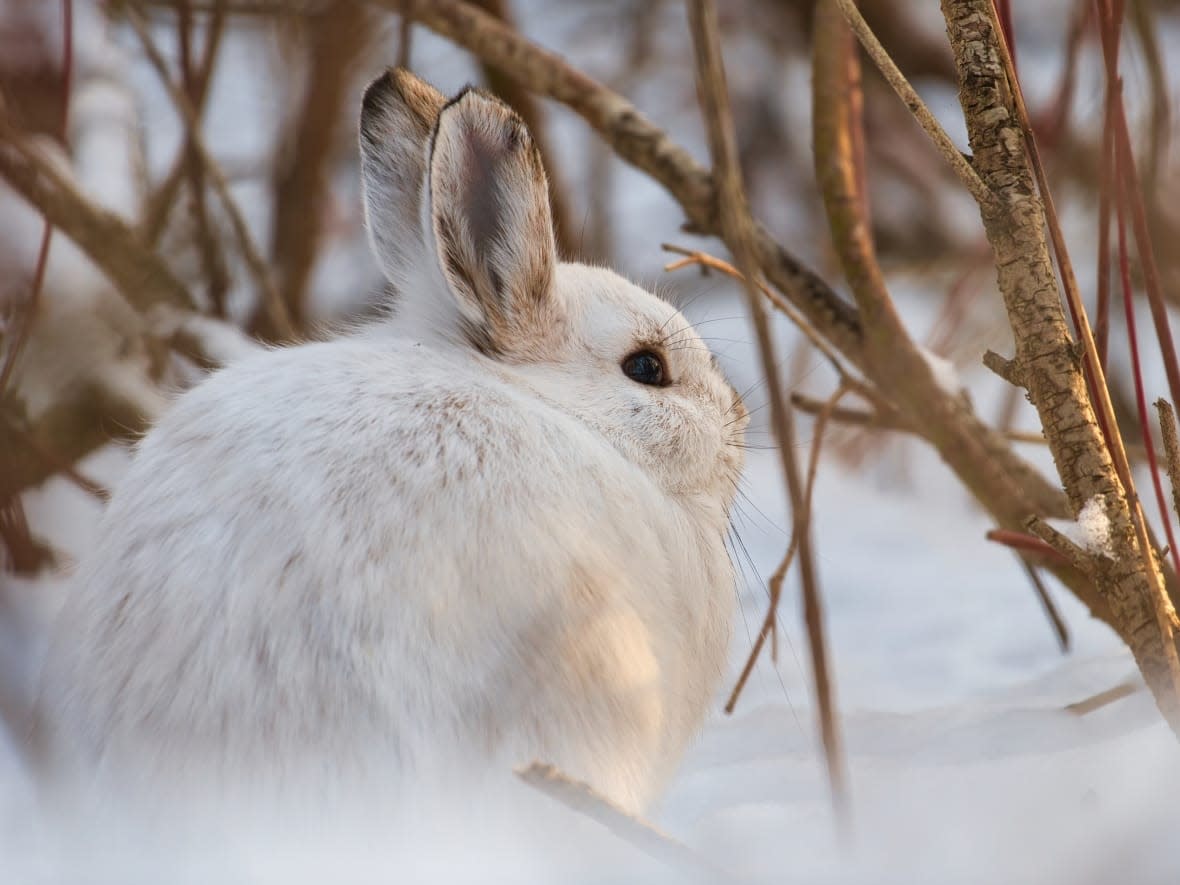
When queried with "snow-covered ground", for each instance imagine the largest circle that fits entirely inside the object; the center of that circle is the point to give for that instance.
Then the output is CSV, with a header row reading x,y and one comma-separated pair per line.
x,y
964,766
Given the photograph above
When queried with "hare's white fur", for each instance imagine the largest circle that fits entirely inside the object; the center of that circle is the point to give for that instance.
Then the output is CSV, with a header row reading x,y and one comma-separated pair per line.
x,y
463,534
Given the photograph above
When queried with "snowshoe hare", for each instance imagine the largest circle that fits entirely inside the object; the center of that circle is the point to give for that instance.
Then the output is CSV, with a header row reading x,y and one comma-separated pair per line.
x,y
490,527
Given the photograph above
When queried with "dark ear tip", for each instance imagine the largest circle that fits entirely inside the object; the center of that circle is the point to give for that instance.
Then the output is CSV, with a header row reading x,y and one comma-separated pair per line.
x,y
375,98
399,90
376,93
471,96
471,100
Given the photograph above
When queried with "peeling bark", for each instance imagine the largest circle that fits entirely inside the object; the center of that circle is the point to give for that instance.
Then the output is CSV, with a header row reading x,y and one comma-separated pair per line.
x,y
1047,361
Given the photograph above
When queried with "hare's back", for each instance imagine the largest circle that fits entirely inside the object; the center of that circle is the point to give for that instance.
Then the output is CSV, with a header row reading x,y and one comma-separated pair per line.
x,y
314,536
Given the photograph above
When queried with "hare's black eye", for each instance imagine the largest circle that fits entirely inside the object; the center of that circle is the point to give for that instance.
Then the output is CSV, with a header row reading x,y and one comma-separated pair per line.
x,y
646,368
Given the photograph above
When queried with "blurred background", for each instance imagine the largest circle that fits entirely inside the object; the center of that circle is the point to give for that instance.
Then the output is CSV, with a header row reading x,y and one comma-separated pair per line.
x,y
199,160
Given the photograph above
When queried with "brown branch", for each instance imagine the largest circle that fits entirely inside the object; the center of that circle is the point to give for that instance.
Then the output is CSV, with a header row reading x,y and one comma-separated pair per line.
x,y
208,246
705,261
897,366
1004,482
737,229
637,141
142,277
1171,448
997,122
337,39
83,419
769,626
1103,698
28,315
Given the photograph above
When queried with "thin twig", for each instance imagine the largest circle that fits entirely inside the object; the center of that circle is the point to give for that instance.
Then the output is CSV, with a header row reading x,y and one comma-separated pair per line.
x,y
737,227
159,202
29,314
57,464
698,258
1171,448
891,421
1029,544
1137,373
896,79
405,36
1104,698
769,627
585,800
520,99
1056,621
1062,543
333,45
108,241
275,306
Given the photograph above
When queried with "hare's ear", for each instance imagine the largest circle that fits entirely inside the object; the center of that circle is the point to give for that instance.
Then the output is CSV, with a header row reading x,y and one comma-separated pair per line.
x,y
491,224
398,115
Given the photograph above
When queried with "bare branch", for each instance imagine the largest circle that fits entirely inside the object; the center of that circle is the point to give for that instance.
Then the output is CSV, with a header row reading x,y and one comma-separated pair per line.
x,y
737,229
1131,583
585,800
636,140
29,313
142,277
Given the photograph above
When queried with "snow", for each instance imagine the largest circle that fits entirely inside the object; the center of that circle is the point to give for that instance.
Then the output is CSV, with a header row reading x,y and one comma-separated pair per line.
x,y
1094,527
964,765
1091,530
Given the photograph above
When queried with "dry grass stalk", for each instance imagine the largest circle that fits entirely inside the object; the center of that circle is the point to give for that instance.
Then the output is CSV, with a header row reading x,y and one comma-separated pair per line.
x,y
737,228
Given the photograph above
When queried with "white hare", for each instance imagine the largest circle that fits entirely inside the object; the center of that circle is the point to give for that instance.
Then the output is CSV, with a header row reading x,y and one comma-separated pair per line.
x,y
489,527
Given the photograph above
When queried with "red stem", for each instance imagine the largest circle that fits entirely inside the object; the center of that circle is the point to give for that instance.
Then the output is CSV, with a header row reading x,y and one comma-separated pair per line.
x,y
1140,397
1004,11
1106,184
